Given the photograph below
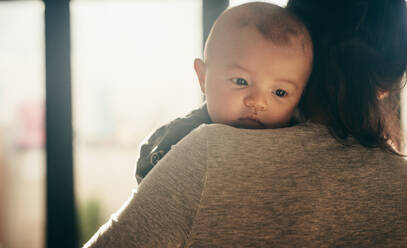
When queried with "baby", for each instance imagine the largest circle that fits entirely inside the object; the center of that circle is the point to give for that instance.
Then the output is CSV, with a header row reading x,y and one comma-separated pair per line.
x,y
257,60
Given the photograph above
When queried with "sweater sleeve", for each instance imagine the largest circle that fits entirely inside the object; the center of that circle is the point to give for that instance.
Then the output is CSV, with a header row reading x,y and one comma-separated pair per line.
x,y
162,210
161,141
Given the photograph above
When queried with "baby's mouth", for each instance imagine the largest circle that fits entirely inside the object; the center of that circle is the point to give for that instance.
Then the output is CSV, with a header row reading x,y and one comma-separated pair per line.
x,y
250,122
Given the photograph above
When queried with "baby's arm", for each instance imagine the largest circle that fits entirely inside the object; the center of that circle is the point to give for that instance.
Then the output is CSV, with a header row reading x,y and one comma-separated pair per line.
x,y
163,138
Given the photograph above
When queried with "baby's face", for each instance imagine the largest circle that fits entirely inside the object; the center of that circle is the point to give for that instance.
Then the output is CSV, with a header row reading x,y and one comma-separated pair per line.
x,y
250,82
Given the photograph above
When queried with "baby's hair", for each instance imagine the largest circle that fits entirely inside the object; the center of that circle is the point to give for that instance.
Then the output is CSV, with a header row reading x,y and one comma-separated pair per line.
x,y
273,22
360,55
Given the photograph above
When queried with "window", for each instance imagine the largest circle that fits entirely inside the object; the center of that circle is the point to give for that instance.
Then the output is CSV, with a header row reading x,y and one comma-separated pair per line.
x,y
22,92
132,71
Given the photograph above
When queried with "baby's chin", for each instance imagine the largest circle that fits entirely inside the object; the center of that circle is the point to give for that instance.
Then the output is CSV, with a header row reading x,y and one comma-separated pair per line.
x,y
248,123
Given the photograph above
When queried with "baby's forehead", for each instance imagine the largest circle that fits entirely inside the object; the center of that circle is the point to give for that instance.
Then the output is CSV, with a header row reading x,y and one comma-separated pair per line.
x,y
283,36
248,34
272,22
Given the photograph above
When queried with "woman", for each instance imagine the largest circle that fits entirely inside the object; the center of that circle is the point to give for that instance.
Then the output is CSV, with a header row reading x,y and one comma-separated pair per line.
x,y
336,180
359,61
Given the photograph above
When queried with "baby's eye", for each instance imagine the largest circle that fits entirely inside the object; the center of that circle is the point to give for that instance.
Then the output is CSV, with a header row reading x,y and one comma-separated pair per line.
x,y
280,93
240,81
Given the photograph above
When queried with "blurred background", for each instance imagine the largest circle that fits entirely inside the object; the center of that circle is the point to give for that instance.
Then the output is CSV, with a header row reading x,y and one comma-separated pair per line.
x,y
131,71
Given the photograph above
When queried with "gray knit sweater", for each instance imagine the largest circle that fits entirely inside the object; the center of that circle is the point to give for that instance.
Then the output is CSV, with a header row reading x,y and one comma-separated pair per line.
x,y
290,187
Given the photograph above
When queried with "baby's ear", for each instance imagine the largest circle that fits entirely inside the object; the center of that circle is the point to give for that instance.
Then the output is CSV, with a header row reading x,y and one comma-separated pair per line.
x,y
382,94
199,66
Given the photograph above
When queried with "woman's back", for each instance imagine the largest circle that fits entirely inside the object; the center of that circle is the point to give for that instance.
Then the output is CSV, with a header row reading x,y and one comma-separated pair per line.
x,y
291,187
298,187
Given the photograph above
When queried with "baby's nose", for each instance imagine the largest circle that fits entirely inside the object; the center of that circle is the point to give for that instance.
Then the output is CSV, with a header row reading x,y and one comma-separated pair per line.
x,y
257,101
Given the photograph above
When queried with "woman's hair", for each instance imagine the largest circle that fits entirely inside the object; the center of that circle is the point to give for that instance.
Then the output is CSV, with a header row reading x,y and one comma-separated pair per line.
x,y
360,59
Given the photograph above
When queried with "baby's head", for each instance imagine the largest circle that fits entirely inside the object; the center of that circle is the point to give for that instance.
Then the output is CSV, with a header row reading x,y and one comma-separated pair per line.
x,y
257,60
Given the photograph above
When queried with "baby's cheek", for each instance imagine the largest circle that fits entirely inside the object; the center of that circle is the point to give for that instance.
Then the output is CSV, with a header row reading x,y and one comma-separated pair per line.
x,y
223,108
280,117
215,107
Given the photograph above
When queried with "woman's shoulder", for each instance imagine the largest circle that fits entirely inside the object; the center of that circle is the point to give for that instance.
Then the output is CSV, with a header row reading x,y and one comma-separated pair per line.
x,y
301,140
299,131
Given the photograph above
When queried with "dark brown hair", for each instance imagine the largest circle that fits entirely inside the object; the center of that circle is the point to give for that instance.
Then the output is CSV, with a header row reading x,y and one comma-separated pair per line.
x,y
360,52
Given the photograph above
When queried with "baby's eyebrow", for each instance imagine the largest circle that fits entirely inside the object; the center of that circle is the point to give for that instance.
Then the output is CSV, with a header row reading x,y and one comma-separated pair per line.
x,y
235,66
288,82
